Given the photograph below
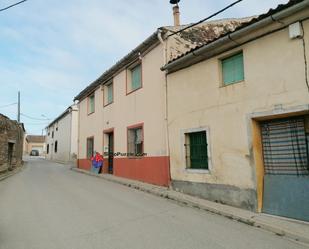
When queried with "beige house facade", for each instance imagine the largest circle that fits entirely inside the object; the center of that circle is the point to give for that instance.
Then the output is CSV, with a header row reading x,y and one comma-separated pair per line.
x,y
62,137
34,142
238,111
123,114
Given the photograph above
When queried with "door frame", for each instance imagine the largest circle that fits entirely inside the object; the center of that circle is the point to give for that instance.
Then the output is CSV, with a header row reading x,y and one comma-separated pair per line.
x,y
108,132
255,142
10,153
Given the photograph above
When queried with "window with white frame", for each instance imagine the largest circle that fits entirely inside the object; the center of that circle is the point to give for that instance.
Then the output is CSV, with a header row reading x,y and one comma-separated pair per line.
x,y
196,150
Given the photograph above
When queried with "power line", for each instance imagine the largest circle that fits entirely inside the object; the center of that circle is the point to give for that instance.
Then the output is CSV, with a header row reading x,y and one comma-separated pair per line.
x,y
27,116
36,123
4,106
207,18
10,6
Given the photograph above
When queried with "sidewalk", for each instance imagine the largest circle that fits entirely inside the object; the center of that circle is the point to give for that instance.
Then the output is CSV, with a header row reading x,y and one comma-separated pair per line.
x,y
292,229
10,173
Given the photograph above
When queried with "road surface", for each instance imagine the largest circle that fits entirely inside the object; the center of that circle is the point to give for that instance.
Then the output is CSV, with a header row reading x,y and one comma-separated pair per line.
x,y
48,206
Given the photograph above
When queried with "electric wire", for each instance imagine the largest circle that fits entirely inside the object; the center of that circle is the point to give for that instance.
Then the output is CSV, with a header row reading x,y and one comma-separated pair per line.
x,y
207,18
10,6
40,119
305,56
4,106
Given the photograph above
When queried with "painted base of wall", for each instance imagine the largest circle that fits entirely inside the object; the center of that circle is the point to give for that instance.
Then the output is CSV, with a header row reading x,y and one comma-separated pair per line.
x,y
153,170
225,194
84,164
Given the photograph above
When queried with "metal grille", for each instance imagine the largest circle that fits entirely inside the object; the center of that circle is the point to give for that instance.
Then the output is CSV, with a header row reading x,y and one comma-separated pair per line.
x,y
285,147
196,150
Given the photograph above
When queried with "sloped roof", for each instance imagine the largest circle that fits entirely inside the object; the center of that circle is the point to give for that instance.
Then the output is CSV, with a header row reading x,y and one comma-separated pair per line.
x,y
35,139
195,37
210,30
211,38
133,55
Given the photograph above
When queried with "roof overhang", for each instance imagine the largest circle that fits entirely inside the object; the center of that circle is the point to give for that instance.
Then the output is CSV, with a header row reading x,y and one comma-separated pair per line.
x,y
146,46
260,28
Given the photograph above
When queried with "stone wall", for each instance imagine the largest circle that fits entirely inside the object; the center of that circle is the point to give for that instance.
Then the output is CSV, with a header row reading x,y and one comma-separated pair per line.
x,y
11,139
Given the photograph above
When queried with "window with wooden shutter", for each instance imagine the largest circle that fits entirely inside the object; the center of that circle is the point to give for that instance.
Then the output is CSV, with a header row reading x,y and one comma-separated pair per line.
x,y
91,104
90,147
196,150
110,93
233,69
136,77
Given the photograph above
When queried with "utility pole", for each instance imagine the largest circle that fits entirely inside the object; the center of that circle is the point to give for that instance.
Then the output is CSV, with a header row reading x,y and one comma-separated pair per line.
x,y
18,108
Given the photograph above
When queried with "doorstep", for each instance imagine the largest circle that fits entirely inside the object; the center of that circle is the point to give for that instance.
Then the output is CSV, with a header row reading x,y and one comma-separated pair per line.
x,y
292,229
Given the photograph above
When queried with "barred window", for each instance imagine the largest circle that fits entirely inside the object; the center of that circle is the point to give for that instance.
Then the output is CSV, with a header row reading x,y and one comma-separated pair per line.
x,y
196,150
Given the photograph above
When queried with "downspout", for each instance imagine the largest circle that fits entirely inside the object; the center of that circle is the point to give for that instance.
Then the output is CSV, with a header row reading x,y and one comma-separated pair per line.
x,y
78,134
71,120
164,43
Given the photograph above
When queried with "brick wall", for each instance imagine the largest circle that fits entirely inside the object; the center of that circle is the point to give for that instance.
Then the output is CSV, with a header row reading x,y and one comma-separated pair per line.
x,y
11,134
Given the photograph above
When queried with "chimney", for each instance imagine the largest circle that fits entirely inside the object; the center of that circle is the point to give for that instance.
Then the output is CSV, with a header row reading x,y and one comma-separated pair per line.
x,y
176,12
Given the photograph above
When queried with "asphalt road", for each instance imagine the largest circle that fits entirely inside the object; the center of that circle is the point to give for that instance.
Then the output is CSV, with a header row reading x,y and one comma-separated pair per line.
x,y
48,206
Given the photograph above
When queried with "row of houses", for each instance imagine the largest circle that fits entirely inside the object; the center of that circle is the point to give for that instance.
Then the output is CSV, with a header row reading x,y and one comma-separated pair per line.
x,y
219,110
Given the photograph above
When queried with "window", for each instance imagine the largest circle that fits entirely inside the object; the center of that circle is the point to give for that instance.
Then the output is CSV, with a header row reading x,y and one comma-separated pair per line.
x,y
196,150
47,149
108,93
90,147
52,134
56,146
91,104
233,69
135,78
48,133
135,142
57,129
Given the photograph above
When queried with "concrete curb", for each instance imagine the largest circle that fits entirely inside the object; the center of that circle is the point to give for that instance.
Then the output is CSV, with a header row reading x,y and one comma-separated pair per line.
x,y
11,173
295,230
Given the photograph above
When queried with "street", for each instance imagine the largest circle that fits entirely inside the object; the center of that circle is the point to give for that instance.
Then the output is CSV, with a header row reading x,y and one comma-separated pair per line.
x,y
48,206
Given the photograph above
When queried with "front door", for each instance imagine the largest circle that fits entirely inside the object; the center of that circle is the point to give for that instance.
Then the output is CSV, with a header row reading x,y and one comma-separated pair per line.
x,y
10,154
286,180
110,152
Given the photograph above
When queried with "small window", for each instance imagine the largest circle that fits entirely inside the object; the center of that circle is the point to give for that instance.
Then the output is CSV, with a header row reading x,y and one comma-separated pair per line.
x,y
233,69
136,77
90,147
57,129
56,146
135,142
48,133
91,104
52,134
108,93
47,149
196,150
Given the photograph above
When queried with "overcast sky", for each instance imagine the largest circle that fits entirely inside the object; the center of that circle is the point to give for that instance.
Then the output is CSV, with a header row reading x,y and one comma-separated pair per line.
x,y
50,50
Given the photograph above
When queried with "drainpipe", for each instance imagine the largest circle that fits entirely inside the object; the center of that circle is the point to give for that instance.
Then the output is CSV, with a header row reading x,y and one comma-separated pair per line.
x,y
239,34
78,133
164,43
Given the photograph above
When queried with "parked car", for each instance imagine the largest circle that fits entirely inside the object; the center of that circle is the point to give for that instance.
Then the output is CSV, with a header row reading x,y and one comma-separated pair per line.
x,y
34,153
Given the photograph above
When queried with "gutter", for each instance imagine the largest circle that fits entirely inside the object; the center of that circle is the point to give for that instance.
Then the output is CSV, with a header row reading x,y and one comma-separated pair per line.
x,y
230,38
